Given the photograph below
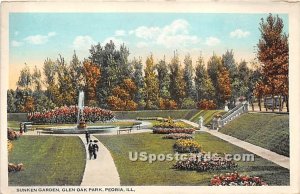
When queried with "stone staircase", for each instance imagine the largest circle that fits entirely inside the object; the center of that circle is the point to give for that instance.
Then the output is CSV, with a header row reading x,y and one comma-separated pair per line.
x,y
231,115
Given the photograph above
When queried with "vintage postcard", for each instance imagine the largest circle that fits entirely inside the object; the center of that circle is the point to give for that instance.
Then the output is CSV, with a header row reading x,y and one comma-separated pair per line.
x,y
143,97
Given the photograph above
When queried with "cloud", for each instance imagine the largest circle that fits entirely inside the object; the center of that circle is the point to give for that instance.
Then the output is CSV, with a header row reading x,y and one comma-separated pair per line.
x,y
39,39
173,35
120,33
142,45
82,42
15,43
212,41
238,33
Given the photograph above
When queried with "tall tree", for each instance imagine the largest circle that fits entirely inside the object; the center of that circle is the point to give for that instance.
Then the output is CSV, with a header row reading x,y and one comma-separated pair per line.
x,y
203,83
188,77
177,85
214,65
224,90
163,79
25,78
273,53
139,82
11,107
36,79
91,74
151,85
50,80
76,72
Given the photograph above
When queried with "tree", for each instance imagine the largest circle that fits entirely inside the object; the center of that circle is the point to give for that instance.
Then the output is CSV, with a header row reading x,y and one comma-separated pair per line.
x,y
177,84
77,77
273,53
25,78
188,77
224,90
139,82
163,79
36,79
203,83
65,86
229,63
213,67
151,85
244,77
11,107
91,74
50,81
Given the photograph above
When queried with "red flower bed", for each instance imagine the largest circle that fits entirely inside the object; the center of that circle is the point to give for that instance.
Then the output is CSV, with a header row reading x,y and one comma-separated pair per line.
x,y
66,114
234,179
173,130
199,163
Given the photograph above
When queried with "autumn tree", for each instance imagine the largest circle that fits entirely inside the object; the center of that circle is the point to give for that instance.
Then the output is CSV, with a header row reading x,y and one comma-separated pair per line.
x,y
91,74
151,85
224,90
273,53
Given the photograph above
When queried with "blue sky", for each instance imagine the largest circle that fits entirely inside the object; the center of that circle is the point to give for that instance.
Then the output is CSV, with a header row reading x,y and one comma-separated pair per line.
x,y
35,36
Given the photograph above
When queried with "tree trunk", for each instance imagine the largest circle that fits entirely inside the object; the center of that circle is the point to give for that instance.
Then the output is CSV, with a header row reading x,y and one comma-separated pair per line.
x,y
280,104
287,103
259,103
273,102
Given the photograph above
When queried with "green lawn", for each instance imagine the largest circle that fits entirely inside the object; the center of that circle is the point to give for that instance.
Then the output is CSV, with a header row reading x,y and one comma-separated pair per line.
x,y
267,130
161,173
207,115
48,160
174,114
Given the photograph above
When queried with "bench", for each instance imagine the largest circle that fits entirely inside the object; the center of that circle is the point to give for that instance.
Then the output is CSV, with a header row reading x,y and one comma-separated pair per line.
x,y
128,129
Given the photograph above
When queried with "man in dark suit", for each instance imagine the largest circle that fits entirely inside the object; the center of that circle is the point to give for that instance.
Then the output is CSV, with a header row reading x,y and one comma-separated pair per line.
x,y
87,137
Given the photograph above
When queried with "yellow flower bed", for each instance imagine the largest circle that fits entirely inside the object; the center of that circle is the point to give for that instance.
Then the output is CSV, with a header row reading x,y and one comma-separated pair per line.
x,y
187,145
9,146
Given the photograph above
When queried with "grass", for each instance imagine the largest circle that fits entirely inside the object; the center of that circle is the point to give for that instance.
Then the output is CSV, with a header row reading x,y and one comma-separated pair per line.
x,y
174,114
48,161
160,173
16,124
207,115
270,131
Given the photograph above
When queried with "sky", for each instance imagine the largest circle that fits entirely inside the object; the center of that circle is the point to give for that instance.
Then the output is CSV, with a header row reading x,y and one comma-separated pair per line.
x,y
33,37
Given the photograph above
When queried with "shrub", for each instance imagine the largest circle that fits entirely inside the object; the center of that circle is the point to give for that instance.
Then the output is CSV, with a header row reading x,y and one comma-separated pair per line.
x,y
187,146
200,163
178,136
12,135
206,105
188,103
15,167
173,130
234,179
166,104
66,114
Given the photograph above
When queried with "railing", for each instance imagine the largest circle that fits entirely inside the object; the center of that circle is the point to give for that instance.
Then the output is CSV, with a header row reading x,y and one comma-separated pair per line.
x,y
230,115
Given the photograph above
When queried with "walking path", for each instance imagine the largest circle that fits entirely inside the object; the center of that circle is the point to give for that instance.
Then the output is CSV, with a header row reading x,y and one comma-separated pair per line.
x,y
101,171
262,152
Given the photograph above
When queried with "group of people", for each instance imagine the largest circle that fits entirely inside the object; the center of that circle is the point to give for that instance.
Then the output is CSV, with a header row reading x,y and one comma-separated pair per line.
x,y
93,148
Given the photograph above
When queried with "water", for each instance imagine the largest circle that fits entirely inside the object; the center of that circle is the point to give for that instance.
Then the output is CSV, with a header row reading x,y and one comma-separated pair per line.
x,y
80,106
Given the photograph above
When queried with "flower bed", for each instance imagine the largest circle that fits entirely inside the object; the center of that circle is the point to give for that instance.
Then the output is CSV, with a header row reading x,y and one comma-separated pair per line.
x,y
187,146
66,114
169,123
178,136
200,163
234,179
173,130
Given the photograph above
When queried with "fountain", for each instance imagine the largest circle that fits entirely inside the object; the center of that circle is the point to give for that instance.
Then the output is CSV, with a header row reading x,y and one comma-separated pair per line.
x,y
81,126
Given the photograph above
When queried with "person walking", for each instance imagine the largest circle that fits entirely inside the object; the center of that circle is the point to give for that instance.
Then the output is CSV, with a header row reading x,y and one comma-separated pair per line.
x,y
87,137
95,149
91,149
